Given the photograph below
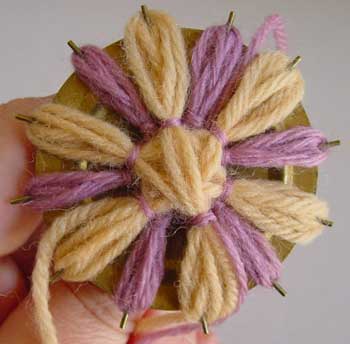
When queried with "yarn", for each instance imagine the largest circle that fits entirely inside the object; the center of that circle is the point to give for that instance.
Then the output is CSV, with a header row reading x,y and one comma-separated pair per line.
x,y
279,209
208,283
258,257
62,190
157,57
112,87
266,95
144,268
180,166
298,146
70,134
213,63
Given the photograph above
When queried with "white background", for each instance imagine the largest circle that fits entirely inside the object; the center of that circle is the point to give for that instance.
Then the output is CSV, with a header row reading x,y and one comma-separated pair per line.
x,y
35,61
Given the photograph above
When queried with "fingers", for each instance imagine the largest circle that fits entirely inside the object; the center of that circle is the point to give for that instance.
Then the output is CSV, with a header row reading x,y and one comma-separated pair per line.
x,y
13,287
158,327
83,315
16,167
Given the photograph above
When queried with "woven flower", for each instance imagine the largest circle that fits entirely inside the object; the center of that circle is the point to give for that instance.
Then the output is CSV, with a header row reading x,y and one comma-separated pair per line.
x,y
196,120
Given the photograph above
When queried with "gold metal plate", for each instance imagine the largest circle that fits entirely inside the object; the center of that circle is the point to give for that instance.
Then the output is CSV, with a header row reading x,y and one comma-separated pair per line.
x,y
74,94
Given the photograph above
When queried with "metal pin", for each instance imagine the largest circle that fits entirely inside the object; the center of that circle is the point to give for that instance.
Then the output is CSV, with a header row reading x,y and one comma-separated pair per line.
x,y
83,165
326,222
231,18
145,15
56,276
294,63
24,118
280,289
20,200
330,144
124,320
74,47
205,327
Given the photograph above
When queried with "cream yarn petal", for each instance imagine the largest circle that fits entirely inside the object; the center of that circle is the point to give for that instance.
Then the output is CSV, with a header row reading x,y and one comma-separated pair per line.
x,y
268,92
208,284
156,55
72,134
279,209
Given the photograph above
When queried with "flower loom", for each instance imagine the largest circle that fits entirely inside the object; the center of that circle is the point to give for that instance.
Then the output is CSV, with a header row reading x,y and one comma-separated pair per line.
x,y
178,155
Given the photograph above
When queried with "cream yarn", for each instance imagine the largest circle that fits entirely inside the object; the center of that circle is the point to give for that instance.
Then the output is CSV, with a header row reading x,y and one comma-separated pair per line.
x,y
279,209
268,92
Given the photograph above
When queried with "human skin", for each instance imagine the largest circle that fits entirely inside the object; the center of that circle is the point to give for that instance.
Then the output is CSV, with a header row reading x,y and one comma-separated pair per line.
x,y
82,313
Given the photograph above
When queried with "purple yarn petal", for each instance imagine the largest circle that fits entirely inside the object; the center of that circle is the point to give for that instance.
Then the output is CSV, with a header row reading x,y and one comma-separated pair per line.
x,y
259,258
299,146
64,189
144,268
114,89
213,63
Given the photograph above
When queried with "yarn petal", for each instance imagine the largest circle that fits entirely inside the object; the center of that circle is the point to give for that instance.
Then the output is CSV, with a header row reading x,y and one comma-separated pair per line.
x,y
64,189
267,93
144,268
74,135
258,257
210,285
299,146
213,64
156,55
98,240
113,88
279,209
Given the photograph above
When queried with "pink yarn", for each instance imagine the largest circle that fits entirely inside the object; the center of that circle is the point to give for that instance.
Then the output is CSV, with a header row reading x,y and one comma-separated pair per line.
x,y
114,89
64,189
299,146
144,268
213,63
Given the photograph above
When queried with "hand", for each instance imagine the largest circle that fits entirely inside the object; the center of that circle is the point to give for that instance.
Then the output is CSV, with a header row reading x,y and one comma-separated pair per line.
x,y
82,313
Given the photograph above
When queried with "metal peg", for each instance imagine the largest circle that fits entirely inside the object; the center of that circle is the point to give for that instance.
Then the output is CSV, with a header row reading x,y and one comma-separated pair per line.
x,y
24,118
280,289
144,11
331,144
20,200
205,326
294,63
75,48
56,276
124,320
231,18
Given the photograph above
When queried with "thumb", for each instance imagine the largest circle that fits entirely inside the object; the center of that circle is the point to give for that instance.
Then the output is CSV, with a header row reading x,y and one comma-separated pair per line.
x,y
82,313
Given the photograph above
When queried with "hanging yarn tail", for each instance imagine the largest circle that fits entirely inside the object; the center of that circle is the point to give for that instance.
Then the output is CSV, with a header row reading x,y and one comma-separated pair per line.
x,y
144,268
62,190
272,24
108,82
299,146
258,257
213,64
